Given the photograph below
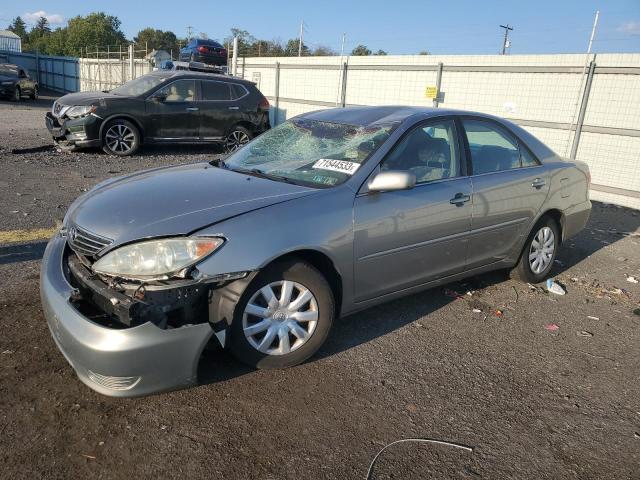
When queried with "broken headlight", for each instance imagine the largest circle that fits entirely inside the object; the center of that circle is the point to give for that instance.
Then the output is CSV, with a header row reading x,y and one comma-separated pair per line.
x,y
80,111
156,259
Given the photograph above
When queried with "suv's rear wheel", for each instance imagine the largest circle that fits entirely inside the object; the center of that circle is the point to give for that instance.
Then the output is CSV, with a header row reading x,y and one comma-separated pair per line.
x,y
539,252
283,317
238,137
121,137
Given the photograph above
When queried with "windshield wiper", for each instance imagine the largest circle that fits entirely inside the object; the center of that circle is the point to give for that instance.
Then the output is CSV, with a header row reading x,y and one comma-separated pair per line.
x,y
270,176
220,163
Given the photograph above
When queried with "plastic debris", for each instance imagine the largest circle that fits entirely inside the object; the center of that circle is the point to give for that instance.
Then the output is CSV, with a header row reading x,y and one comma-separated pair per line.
x,y
590,317
555,287
632,279
499,313
584,333
552,327
477,310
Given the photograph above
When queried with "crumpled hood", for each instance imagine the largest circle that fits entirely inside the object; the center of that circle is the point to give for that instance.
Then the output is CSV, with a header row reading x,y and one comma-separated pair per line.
x,y
86,98
173,201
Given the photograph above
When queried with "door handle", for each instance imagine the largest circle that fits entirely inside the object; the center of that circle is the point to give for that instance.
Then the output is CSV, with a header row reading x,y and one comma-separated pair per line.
x,y
192,109
538,183
459,199
234,108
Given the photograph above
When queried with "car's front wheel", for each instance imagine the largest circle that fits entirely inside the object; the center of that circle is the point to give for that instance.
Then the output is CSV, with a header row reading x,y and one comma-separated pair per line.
x,y
17,94
34,95
121,137
238,137
539,252
283,317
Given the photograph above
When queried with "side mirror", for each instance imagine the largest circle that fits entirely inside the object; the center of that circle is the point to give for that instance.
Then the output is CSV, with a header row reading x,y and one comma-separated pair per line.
x,y
392,180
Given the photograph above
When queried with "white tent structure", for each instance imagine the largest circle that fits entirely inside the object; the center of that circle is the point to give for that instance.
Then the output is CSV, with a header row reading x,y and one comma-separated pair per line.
x,y
10,42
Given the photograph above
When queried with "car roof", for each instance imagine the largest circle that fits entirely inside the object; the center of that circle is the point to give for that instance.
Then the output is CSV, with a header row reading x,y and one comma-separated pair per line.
x,y
200,76
366,116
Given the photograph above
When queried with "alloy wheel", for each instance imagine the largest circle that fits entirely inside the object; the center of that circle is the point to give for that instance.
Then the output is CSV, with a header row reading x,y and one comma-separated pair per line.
x,y
280,317
119,138
541,251
235,140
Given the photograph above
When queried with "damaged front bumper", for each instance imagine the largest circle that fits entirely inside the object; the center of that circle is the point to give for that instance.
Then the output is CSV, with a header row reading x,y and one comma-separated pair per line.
x,y
114,360
79,132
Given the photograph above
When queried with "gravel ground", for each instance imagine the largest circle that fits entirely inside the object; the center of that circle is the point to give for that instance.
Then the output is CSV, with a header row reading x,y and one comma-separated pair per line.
x,y
532,403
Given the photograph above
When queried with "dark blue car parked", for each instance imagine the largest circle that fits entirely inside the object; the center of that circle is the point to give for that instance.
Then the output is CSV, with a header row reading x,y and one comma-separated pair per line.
x,y
205,51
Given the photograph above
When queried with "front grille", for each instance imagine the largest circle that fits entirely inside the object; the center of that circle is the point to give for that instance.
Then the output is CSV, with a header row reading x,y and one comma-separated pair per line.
x,y
86,243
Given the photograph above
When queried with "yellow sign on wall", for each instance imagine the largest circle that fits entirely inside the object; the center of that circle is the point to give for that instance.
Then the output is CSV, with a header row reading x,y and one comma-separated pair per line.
x,y
431,92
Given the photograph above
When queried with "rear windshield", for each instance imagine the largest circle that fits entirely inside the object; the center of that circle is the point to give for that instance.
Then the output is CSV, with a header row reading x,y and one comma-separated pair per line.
x,y
7,70
210,43
140,85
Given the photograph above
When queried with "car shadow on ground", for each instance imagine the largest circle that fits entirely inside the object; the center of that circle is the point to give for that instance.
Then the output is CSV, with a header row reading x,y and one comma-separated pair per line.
x,y
21,252
217,365
44,101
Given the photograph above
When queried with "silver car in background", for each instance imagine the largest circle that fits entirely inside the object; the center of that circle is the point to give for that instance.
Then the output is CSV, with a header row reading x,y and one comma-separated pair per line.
x,y
331,212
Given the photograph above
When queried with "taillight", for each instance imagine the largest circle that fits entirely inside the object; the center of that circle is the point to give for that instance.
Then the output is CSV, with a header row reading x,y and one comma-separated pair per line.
x,y
264,104
202,49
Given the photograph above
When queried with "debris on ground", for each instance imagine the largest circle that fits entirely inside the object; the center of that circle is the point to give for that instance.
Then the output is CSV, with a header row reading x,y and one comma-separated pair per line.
x,y
499,313
584,333
552,327
555,287
476,310
591,317
632,279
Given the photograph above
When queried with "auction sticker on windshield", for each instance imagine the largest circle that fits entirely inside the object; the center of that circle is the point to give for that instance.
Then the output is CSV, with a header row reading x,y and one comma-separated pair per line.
x,y
341,166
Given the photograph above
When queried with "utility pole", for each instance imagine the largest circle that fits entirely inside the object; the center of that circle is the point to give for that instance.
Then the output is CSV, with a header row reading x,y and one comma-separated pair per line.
x,y
189,32
505,43
344,36
301,38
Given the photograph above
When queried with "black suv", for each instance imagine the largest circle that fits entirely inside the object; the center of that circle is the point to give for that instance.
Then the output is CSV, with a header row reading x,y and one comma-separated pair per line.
x,y
162,107
15,83
205,51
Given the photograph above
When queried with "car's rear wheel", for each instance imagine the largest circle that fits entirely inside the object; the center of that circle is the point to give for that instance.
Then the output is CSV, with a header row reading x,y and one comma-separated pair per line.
x,y
17,94
121,137
34,95
283,317
238,137
539,252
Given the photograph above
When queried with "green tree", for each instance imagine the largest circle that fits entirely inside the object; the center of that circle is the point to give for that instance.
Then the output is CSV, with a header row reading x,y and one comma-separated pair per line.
x,y
380,52
292,46
157,40
245,42
423,52
322,51
19,28
95,31
361,50
42,26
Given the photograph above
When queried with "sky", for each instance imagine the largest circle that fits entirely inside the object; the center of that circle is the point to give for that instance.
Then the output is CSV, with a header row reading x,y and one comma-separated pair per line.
x,y
398,27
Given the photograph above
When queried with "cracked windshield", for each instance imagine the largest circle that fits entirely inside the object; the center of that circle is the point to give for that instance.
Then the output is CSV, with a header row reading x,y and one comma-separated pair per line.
x,y
310,152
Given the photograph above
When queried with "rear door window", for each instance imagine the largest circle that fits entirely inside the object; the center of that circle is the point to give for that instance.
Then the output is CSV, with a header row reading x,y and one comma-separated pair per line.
x,y
492,148
215,91
237,91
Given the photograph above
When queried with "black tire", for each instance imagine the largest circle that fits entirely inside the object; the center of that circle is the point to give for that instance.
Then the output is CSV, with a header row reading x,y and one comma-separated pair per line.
x,y
523,270
17,94
127,140
34,95
233,142
303,274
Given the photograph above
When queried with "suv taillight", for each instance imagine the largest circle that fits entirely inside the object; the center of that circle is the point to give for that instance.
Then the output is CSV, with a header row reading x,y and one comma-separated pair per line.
x,y
202,49
264,104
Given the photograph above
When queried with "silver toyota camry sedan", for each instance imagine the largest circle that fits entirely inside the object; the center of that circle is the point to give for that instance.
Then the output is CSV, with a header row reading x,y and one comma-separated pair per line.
x,y
329,213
